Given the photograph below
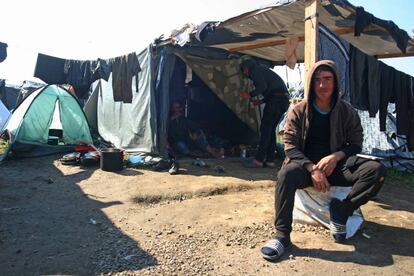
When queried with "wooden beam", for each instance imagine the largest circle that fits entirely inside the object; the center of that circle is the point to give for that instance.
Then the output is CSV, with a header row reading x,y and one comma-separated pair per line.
x,y
311,37
393,55
342,31
283,41
261,45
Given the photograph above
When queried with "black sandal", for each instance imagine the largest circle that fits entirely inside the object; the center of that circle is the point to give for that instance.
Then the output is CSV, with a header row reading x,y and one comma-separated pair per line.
x,y
274,249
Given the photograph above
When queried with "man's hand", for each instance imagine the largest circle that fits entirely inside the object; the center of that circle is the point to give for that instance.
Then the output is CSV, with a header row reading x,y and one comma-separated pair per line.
x,y
245,95
194,135
256,103
328,163
319,181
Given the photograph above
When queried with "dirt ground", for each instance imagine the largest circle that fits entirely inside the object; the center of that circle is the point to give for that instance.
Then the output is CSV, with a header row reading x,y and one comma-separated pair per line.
x,y
64,220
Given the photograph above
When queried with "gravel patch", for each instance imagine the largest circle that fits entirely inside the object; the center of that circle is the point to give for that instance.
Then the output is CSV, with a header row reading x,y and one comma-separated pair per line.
x,y
168,252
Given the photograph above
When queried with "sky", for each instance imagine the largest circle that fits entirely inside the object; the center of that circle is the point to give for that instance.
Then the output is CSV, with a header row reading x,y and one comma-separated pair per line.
x,y
88,29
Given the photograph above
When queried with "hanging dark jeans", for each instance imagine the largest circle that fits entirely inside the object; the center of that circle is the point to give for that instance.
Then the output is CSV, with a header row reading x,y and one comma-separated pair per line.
x,y
274,109
365,176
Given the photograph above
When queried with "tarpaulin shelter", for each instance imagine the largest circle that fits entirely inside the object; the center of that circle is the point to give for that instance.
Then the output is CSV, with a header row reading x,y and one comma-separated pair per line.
x,y
142,125
4,114
11,94
267,33
263,34
49,120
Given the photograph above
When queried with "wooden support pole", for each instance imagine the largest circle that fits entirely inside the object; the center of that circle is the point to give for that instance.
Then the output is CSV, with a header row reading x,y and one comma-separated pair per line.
x,y
311,37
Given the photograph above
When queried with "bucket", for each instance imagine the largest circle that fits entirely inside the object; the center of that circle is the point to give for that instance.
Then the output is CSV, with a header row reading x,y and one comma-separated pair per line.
x,y
112,159
53,140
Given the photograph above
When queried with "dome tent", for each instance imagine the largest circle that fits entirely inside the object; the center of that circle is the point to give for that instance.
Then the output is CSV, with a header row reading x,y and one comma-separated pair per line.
x,y
50,120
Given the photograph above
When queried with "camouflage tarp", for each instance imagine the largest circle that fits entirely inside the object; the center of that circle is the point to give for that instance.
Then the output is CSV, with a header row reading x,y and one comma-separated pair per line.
x,y
225,79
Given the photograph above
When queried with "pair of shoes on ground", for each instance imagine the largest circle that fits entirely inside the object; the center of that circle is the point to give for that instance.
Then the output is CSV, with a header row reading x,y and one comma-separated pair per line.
x,y
174,169
277,246
253,163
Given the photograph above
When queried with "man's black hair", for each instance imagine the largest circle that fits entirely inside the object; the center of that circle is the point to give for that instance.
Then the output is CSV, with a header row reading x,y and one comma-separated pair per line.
x,y
325,68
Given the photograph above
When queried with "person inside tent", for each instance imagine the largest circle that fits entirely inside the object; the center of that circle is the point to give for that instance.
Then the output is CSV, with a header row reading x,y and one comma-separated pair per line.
x,y
274,91
322,136
186,136
71,90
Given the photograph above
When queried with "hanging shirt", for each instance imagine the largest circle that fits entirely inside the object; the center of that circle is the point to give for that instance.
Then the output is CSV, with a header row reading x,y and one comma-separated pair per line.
x,y
124,68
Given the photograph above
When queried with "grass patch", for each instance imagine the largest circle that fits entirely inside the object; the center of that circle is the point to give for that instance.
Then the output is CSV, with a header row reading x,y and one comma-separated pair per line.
x,y
398,177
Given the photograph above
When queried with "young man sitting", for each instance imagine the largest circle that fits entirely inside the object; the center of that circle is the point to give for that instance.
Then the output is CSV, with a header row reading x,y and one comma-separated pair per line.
x,y
322,136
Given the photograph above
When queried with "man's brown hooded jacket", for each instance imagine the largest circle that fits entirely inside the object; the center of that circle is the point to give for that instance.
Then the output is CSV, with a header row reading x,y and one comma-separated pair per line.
x,y
346,132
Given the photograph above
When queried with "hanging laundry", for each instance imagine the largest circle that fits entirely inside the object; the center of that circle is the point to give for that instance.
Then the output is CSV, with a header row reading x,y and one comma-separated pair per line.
x,y
387,85
85,72
410,135
102,69
124,68
3,51
82,73
188,74
290,52
373,82
50,69
374,85
78,73
363,19
365,81
402,101
358,79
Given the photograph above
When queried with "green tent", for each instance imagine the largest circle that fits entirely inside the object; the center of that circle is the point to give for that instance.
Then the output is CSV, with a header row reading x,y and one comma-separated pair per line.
x,y
49,120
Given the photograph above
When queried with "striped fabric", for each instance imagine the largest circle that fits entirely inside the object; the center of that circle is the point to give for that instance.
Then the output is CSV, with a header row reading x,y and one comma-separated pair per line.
x,y
275,245
337,229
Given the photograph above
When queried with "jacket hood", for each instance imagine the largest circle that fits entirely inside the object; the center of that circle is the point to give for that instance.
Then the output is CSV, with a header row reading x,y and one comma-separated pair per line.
x,y
309,80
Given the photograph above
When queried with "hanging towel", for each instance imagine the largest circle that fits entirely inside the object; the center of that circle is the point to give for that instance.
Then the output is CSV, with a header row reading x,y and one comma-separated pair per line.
x,y
290,52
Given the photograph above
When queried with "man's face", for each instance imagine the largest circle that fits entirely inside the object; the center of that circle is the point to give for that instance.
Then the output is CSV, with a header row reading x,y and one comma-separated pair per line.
x,y
176,109
323,85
